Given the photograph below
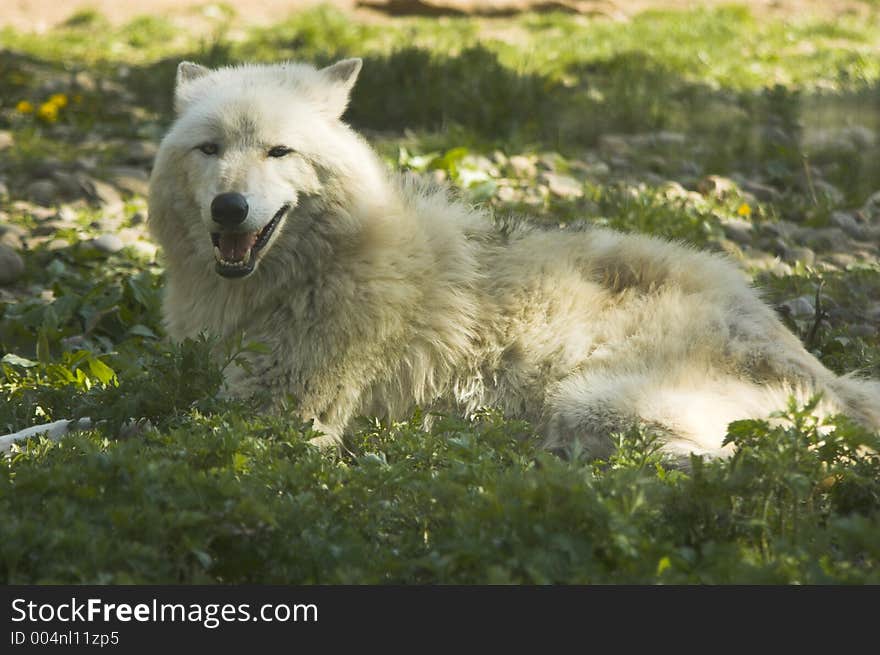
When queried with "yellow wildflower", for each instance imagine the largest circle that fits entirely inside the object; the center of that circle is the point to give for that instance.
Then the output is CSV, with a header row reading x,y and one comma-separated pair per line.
x,y
58,99
24,107
48,112
744,210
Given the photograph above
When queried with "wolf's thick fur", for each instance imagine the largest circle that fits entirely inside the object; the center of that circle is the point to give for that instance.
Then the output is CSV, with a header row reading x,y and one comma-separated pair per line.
x,y
378,294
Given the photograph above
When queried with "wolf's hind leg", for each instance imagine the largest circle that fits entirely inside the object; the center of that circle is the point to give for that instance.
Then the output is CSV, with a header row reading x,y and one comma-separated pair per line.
x,y
689,408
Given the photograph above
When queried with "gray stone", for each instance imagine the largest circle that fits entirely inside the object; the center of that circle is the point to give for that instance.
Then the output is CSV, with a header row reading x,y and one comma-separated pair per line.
x,y
130,179
800,254
12,235
523,166
716,186
108,243
737,230
848,223
11,265
824,239
863,330
563,186
831,193
870,211
140,152
614,144
801,307
46,228
6,139
841,260
69,184
42,192
761,191
47,166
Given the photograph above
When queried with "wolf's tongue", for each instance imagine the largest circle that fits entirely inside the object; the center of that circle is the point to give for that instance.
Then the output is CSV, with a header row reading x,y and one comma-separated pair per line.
x,y
235,246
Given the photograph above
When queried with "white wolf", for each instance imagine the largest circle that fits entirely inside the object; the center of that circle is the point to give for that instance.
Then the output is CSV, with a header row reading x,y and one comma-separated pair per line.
x,y
375,294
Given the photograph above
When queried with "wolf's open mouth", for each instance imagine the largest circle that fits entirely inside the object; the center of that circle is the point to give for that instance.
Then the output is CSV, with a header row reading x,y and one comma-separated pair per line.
x,y
236,253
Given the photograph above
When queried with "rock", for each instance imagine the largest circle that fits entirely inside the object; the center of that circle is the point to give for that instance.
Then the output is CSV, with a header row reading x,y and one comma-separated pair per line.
x,y
523,166
140,152
831,193
108,243
137,219
47,166
590,169
841,260
507,194
131,179
614,144
42,192
563,186
783,229
761,191
69,184
801,307
6,139
799,254
730,247
870,211
824,239
12,235
4,191
99,192
57,244
863,330
11,265
46,228
549,160
737,230
848,223
851,139
84,81
716,186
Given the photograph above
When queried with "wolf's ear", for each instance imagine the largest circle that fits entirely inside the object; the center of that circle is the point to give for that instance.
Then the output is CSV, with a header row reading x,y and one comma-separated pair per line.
x,y
186,73
340,78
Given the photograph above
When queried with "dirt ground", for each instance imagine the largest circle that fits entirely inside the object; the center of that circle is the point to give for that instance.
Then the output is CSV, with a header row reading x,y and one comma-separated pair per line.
x,y
40,15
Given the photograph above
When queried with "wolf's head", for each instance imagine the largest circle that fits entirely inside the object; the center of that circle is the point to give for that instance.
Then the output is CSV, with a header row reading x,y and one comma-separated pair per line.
x,y
249,146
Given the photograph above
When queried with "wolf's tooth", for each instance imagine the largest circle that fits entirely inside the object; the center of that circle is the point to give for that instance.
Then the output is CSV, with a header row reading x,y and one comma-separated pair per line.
x,y
217,255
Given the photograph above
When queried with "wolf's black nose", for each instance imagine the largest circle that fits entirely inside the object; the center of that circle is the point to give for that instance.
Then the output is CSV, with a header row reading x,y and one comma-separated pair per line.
x,y
229,209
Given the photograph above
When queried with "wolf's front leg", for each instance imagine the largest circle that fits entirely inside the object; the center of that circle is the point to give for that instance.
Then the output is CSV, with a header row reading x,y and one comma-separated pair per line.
x,y
324,397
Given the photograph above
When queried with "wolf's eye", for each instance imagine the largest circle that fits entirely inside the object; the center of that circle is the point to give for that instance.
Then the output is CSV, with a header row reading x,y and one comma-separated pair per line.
x,y
279,151
209,148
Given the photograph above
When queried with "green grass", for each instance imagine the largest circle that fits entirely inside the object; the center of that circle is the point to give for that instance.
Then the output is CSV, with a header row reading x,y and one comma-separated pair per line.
x,y
212,491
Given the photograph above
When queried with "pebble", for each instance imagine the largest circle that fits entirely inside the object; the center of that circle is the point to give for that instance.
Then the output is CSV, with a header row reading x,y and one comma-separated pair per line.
x,y
848,223
799,254
130,179
108,243
737,230
801,307
42,192
523,166
716,186
11,265
13,238
140,152
563,186
6,139
841,260
863,330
